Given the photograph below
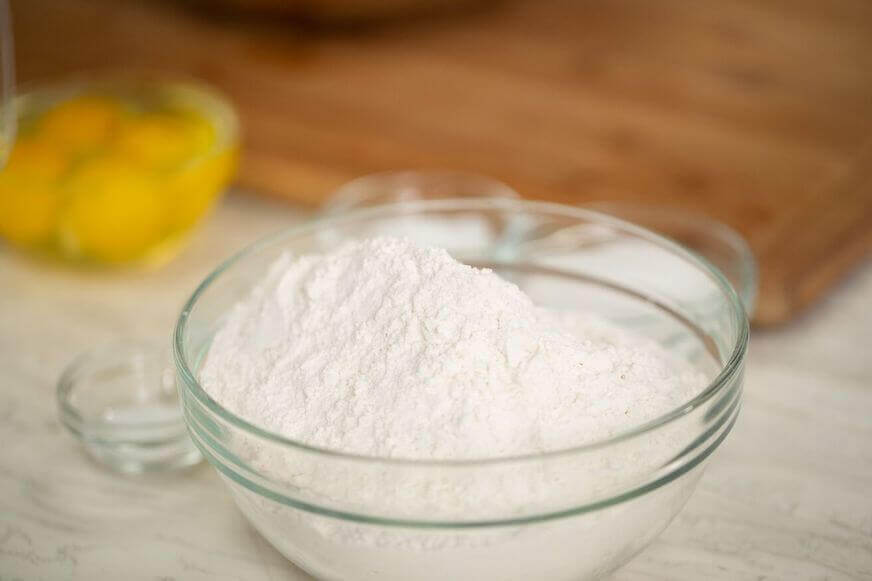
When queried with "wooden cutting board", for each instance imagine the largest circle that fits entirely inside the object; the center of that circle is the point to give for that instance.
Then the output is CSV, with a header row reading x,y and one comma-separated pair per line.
x,y
758,113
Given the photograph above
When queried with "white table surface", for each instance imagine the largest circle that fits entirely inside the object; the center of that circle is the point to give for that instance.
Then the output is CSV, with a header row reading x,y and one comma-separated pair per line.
x,y
788,496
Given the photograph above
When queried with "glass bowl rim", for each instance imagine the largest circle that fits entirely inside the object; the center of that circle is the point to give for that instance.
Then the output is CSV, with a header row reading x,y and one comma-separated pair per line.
x,y
728,370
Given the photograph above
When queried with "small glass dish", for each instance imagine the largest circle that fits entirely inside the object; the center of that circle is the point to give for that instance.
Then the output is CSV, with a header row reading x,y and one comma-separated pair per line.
x,y
468,232
714,241
121,402
413,185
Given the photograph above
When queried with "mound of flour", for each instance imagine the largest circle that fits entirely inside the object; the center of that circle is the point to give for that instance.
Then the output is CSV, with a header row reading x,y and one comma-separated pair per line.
x,y
385,348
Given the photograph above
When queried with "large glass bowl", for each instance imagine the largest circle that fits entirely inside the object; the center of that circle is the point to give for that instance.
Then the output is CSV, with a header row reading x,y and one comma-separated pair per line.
x,y
568,514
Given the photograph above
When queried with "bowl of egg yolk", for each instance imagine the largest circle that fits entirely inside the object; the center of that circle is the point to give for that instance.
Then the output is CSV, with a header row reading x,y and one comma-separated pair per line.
x,y
115,172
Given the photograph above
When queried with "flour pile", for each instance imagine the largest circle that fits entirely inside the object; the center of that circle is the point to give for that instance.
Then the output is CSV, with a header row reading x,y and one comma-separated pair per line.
x,y
385,348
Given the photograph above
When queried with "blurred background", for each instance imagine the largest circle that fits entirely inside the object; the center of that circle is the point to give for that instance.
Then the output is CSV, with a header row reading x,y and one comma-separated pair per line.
x,y
757,114
742,129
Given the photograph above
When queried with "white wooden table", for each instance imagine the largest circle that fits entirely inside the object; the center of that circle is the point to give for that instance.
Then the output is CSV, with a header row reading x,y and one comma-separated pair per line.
x,y
788,496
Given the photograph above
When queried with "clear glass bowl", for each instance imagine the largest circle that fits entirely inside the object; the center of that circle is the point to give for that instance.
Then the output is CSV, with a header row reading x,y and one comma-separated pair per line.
x,y
468,232
120,401
411,186
569,514
715,241
116,170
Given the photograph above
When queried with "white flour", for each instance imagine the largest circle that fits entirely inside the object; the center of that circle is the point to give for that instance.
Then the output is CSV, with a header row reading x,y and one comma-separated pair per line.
x,y
384,348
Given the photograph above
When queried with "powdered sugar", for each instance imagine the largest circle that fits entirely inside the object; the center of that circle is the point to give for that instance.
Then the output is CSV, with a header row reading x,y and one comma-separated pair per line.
x,y
388,349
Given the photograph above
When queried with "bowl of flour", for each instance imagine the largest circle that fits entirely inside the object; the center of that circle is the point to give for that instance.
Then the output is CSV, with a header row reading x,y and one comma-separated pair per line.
x,y
390,407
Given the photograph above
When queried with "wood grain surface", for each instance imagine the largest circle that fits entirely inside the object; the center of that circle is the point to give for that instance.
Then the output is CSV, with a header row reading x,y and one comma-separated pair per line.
x,y
758,113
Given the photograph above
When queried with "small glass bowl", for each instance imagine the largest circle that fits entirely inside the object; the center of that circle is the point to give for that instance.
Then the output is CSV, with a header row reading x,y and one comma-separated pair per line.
x,y
411,186
471,231
714,241
120,401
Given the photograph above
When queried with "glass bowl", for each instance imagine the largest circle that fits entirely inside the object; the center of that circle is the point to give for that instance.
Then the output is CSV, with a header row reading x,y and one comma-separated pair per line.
x,y
568,514
413,185
713,240
120,401
116,170
470,232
